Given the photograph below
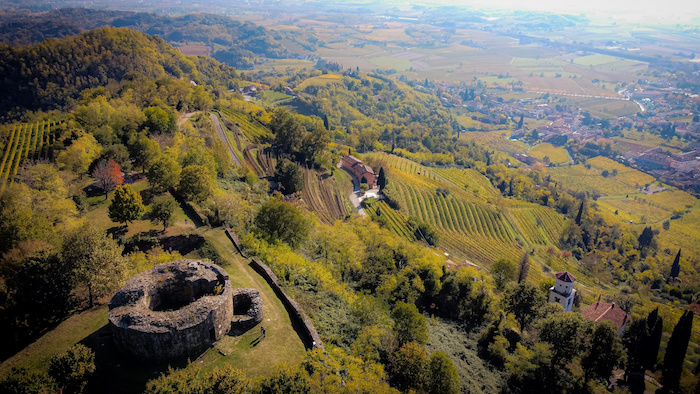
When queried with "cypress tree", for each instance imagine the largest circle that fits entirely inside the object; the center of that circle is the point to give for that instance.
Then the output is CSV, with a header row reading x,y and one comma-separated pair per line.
x,y
520,123
580,213
523,268
676,266
655,329
381,181
675,352
326,124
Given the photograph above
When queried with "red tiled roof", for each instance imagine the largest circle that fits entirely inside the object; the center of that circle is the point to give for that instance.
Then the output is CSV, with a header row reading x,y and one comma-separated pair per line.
x,y
566,276
606,311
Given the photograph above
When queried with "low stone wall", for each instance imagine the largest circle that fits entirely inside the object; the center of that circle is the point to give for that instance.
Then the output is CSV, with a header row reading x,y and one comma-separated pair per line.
x,y
172,311
247,310
234,239
309,335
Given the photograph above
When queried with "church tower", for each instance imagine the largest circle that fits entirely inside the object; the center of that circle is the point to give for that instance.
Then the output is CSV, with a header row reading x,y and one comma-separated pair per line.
x,y
563,291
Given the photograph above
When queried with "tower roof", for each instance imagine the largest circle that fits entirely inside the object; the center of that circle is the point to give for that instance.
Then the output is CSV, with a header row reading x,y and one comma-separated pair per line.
x,y
566,277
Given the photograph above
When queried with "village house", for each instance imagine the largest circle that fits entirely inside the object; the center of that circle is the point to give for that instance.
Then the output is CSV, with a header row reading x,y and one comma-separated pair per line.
x,y
362,171
607,311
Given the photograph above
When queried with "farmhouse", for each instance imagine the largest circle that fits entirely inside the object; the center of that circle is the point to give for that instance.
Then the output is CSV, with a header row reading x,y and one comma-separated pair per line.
x,y
607,311
360,169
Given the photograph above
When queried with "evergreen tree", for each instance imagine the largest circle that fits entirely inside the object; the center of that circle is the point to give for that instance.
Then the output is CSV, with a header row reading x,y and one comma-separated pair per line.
x,y
523,268
675,352
381,181
521,121
326,123
580,213
645,237
604,353
676,267
655,329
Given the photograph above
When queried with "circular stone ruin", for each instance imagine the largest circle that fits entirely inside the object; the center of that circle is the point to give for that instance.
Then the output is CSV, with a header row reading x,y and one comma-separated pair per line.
x,y
172,311
247,310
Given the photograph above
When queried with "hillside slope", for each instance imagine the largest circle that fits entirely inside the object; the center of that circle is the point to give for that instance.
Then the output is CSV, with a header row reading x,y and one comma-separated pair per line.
x,y
51,74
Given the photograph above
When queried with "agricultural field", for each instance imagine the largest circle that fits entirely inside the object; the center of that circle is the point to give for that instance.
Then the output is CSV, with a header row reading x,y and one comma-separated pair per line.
x,y
251,128
498,140
473,222
639,210
635,141
395,221
581,179
556,154
326,195
625,174
470,180
672,199
27,141
683,233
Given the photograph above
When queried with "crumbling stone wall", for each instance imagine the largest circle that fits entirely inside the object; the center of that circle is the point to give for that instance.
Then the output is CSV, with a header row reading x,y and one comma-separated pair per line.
x,y
247,310
172,311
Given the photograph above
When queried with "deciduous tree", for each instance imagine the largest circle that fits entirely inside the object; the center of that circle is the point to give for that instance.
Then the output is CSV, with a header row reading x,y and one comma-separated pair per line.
x,y
196,183
126,205
444,377
523,301
280,221
72,370
409,324
95,260
108,175
164,173
502,272
162,210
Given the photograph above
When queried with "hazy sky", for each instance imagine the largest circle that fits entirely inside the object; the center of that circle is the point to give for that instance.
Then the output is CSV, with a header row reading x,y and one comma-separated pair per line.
x,y
661,10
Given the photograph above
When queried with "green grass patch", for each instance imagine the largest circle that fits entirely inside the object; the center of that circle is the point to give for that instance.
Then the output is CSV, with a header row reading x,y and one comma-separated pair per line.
x,y
556,154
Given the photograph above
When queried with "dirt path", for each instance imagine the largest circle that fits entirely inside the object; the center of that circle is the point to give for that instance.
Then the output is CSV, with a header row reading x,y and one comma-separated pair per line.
x,y
224,138
184,118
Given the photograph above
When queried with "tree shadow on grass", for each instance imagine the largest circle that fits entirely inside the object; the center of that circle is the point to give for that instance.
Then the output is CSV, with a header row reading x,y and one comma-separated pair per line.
x,y
117,231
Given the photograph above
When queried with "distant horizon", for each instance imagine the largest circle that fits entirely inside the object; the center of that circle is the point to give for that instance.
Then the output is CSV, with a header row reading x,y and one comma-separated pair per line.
x,y
669,11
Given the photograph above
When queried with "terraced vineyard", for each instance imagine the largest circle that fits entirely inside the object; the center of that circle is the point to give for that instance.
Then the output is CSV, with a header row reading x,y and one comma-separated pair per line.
x,y
469,179
31,141
324,196
469,227
252,129
394,221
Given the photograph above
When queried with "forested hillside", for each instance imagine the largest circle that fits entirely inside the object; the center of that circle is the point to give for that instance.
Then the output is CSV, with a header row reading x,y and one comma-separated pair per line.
x,y
53,73
236,43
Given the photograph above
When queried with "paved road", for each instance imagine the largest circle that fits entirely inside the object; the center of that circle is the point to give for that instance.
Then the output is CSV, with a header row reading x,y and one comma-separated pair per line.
x,y
224,138
355,195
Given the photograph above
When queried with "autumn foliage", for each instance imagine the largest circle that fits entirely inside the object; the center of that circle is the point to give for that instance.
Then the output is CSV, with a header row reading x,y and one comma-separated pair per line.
x,y
108,175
